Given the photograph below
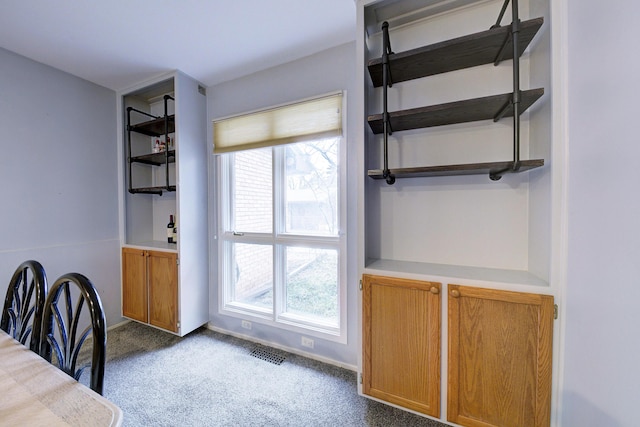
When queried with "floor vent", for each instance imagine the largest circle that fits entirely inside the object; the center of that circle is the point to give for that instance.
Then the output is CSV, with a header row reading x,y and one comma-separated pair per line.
x,y
267,355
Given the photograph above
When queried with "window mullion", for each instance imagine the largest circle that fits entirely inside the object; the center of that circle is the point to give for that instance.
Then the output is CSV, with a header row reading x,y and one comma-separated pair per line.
x,y
229,257
225,248
224,188
279,274
278,192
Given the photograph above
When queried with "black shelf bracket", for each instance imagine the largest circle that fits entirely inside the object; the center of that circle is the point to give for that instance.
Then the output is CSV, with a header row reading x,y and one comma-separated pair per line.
x,y
145,191
515,101
152,190
129,109
387,82
501,14
166,139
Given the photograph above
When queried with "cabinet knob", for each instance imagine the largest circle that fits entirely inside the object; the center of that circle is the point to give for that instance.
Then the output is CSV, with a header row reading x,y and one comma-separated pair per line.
x,y
434,290
455,293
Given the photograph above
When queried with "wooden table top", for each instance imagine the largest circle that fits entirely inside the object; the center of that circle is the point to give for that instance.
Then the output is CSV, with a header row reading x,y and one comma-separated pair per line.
x,y
36,393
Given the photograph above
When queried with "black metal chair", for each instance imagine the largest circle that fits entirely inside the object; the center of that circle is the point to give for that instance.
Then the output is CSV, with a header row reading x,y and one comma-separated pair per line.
x,y
61,344
23,304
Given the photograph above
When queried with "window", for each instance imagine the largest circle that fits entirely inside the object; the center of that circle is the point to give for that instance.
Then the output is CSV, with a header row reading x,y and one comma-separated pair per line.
x,y
281,245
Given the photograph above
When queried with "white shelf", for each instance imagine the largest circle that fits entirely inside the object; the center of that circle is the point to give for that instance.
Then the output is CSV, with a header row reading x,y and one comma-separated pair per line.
x,y
154,244
449,273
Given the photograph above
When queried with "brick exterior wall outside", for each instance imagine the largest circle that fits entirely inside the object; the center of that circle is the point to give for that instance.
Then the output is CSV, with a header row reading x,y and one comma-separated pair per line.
x,y
253,213
253,190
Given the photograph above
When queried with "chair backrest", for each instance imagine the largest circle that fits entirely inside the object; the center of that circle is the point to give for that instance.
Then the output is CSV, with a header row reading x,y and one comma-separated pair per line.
x,y
60,322
23,304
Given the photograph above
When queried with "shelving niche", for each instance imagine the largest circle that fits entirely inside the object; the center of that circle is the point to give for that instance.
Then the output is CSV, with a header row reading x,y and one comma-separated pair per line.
x,y
450,220
492,46
156,127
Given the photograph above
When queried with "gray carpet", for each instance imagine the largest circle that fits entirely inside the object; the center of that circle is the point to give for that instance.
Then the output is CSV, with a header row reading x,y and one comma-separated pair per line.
x,y
210,379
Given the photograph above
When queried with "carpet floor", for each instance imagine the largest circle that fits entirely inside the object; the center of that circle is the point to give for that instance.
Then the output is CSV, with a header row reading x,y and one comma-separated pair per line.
x,y
211,379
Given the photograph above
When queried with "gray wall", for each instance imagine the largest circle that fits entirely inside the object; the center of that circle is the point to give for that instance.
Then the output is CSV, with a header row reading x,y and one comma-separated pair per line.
x,y
58,171
330,70
601,380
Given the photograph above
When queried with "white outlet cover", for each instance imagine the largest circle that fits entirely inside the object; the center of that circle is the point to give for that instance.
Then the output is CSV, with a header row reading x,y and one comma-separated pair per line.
x,y
307,342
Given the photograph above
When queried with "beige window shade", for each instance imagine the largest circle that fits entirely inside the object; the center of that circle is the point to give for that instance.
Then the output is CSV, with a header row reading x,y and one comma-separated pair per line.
x,y
302,121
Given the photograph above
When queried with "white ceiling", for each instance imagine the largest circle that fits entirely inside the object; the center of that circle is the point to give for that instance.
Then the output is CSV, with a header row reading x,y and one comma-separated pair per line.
x,y
118,43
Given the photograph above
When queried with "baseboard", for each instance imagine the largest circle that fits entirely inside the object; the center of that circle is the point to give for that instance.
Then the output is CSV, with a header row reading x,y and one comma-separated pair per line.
x,y
117,325
283,348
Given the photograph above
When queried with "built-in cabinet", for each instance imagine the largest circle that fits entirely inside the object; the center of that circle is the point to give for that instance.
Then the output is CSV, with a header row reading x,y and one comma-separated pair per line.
x,y
150,287
162,137
499,351
477,207
499,357
401,342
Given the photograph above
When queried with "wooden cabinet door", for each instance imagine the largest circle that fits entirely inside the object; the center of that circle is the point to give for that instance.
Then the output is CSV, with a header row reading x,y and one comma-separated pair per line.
x,y
163,290
401,342
499,358
134,284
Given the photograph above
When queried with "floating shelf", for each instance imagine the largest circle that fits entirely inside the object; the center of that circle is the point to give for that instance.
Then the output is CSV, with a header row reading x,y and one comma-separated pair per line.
x,y
155,159
152,190
470,110
486,47
155,127
490,168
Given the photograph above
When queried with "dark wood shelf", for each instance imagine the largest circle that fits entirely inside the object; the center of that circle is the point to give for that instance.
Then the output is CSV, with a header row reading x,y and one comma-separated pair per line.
x,y
152,190
154,127
469,110
455,54
462,169
155,159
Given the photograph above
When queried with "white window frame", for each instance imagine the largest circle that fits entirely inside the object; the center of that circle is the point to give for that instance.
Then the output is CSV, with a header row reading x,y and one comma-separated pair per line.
x,y
279,240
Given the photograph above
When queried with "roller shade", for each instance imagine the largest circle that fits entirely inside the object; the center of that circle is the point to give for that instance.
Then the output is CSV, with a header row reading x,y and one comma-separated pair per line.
x,y
302,121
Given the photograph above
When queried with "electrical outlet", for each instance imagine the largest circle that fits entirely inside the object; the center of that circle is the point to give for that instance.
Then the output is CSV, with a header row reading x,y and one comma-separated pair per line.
x,y
246,324
307,342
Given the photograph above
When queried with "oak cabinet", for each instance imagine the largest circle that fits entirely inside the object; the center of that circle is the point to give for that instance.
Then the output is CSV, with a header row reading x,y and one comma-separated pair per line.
x,y
135,289
163,290
499,357
401,342
499,351
150,287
